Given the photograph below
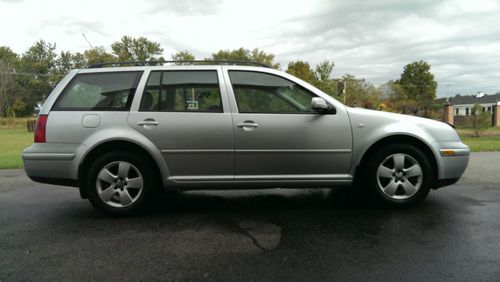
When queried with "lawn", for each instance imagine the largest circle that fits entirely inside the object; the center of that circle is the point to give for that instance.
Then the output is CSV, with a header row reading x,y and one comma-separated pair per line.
x,y
14,138
489,141
12,142
482,144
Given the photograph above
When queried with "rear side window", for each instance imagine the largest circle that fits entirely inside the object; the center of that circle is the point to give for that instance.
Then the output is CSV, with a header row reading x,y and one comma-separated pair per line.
x,y
103,91
182,91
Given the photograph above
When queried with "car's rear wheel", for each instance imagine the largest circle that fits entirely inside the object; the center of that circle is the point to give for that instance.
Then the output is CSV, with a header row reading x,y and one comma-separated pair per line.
x,y
398,175
120,183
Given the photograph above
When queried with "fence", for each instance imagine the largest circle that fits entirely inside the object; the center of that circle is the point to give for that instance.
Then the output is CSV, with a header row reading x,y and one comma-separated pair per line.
x,y
30,125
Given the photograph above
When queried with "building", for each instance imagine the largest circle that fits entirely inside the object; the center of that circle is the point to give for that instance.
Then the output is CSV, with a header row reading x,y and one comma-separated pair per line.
x,y
463,105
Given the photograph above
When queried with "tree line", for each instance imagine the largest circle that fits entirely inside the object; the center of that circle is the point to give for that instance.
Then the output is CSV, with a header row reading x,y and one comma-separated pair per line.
x,y
26,79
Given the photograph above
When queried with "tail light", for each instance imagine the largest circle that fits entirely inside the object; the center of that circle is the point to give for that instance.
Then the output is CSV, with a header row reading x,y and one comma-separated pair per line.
x,y
40,127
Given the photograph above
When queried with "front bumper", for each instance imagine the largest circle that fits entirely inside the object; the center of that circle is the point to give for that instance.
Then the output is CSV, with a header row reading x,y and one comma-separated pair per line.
x,y
452,160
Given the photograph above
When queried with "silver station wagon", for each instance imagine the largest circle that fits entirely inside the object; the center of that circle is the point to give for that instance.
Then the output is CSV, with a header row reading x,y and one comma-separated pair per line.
x,y
122,133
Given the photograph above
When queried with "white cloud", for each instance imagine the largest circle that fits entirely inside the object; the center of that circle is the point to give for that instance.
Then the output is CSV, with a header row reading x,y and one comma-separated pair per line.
x,y
370,39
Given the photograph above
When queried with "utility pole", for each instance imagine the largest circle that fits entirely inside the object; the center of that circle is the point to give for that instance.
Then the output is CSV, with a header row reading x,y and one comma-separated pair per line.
x,y
344,91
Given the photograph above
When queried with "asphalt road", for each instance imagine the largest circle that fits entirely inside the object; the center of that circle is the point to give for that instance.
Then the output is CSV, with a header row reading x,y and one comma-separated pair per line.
x,y
49,233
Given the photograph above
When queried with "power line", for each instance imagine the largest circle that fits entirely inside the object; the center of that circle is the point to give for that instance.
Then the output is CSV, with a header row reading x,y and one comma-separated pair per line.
x,y
31,74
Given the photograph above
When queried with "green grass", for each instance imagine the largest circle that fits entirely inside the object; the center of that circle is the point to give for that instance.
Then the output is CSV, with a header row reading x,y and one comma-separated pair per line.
x,y
12,142
482,144
489,140
14,138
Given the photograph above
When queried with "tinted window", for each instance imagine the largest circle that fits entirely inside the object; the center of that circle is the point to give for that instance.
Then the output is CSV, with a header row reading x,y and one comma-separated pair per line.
x,y
265,93
99,91
182,91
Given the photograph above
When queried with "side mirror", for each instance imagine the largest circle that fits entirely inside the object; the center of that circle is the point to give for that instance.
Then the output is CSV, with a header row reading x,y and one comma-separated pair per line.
x,y
320,105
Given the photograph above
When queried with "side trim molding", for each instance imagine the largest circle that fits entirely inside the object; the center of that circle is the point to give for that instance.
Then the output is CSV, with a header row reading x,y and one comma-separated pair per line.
x,y
257,151
293,151
198,151
48,156
277,177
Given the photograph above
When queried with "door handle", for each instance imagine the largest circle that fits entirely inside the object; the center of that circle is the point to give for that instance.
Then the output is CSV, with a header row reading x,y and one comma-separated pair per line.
x,y
248,124
148,122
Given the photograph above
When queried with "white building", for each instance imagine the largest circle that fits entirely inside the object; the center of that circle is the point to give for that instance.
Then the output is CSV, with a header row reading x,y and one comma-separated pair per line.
x,y
463,105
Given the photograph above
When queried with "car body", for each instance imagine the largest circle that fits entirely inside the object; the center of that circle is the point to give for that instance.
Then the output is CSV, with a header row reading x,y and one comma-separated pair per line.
x,y
172,117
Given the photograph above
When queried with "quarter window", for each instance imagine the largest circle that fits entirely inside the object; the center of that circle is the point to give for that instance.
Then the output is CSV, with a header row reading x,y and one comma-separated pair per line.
x,y
182,91
112,91
265,93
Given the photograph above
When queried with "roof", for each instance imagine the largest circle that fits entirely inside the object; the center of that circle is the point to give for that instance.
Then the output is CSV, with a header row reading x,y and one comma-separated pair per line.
x,y
472,99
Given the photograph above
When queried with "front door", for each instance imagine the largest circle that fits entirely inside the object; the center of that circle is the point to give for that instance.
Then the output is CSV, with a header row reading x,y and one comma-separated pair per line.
x,y
279,137
182,113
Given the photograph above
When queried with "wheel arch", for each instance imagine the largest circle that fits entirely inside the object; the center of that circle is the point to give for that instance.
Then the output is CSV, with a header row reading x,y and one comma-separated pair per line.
x,y
114,145
400,138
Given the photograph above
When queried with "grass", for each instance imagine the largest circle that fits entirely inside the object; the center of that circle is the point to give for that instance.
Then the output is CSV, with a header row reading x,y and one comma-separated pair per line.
x,y
14,138
489,140
12,142
482,144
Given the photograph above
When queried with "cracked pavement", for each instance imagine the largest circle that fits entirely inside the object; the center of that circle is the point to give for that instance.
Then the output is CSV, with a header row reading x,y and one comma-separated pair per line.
x,y
49,233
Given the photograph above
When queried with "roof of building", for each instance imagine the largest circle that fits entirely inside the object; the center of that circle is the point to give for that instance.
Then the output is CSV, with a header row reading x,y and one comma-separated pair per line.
x,y
472,99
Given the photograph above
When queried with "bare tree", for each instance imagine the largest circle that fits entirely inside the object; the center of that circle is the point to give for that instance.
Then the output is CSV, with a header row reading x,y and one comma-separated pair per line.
x,y
6,88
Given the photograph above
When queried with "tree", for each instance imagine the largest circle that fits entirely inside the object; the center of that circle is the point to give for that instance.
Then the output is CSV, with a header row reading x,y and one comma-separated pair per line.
x,y
40,58
183,56
98,55
396,97
480,120
302,70
137,49
38,76
79,61
319,77
360,93
419,84
243,54
264,58
324,70
323,81
8,56
67,61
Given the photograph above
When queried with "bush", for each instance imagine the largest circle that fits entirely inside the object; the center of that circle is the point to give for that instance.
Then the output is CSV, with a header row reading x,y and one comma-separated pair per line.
x,y
479,120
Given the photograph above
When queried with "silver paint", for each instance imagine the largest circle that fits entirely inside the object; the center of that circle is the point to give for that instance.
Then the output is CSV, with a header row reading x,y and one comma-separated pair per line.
x,y
233,150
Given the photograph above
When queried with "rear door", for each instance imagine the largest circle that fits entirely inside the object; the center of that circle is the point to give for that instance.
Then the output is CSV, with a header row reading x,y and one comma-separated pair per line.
x,y
277,134
185,114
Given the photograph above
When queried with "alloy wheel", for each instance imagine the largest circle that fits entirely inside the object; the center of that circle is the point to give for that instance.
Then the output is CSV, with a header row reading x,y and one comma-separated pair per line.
x,y
119,184
399,176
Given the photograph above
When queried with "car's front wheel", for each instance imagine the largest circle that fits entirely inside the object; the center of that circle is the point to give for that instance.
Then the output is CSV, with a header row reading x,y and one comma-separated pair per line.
x,y
119,183
399,175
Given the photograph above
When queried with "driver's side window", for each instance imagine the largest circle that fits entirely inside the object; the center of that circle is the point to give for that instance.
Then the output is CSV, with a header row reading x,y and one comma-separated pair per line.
x,y
257,92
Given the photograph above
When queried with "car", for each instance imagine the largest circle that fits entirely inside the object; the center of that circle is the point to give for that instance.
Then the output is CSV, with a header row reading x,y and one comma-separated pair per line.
x,y
122,133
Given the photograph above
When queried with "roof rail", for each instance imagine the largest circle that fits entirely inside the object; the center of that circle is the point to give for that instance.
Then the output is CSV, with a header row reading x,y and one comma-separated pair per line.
x,y
195,62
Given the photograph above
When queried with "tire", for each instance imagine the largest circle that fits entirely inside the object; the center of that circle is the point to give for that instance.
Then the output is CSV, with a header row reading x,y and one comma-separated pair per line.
x,y
398,175
120,183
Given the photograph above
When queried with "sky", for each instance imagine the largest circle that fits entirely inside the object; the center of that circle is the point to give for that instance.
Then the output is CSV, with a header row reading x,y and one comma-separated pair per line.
x,y
369,39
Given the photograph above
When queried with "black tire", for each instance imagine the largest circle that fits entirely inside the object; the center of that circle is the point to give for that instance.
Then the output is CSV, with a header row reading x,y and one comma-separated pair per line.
x,y
113,160
376,184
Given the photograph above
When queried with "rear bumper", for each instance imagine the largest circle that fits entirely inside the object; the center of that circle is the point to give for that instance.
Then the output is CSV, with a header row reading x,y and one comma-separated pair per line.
x,y
53,163
55,181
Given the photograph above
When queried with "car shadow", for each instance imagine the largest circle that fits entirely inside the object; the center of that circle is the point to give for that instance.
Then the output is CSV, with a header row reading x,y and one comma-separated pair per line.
x,y
255,200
